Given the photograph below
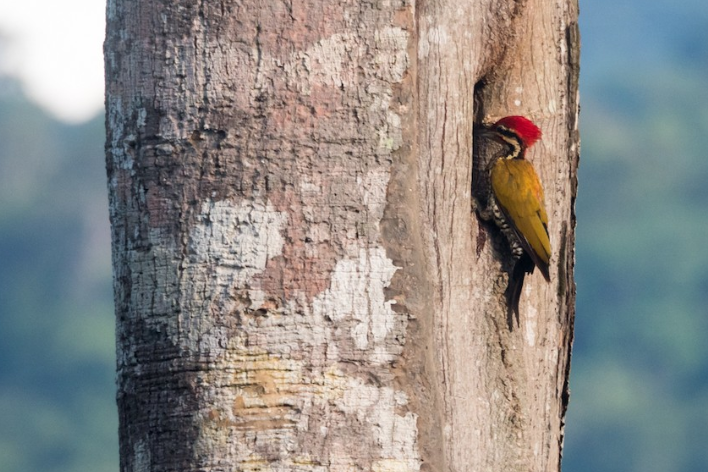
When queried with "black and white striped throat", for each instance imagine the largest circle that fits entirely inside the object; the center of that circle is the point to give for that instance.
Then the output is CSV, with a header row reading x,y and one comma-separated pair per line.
x,y
513,140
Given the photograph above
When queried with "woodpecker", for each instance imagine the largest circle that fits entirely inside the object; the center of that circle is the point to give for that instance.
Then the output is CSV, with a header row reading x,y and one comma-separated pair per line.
x,y
516,202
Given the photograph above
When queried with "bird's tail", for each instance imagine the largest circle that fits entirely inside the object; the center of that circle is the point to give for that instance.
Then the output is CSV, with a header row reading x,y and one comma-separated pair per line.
x,y
524,265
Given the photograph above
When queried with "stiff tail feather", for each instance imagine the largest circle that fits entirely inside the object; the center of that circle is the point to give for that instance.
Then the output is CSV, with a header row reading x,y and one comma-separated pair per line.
x,y
524,265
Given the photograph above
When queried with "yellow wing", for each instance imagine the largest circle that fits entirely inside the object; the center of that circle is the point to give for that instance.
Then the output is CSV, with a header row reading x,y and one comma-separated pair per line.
x,y
519,193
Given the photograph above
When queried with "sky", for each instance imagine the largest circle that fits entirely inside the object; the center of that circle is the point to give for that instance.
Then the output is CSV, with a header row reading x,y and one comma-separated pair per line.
x,y
55,48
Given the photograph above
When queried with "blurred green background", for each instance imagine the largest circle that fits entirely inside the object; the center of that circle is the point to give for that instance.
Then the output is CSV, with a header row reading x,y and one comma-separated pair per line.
x,y
639,378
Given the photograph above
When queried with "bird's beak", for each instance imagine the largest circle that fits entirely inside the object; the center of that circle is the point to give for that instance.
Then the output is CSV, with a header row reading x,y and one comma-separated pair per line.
x,y
484,132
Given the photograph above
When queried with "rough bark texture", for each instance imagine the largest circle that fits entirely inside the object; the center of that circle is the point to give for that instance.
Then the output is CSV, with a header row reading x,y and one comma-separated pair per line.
x,y
299,280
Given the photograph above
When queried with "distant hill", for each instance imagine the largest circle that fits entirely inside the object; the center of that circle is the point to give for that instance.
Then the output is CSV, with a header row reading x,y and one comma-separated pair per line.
x,y
56,318
639,378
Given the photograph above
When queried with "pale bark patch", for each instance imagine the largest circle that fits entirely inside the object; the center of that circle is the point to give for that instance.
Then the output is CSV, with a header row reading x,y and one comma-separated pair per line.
x,y
240,238
236,240
357,293
373,187
141,457
530,324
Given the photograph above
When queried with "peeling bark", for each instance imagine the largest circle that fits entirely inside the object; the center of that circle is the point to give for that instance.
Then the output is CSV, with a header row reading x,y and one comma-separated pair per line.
x,y
297,282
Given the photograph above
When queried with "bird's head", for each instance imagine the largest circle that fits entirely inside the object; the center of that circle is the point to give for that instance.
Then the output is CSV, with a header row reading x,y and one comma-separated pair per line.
x,y
519,128
516,132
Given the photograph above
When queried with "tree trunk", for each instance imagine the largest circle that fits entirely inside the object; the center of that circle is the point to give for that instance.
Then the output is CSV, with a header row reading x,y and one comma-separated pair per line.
x,y
300,282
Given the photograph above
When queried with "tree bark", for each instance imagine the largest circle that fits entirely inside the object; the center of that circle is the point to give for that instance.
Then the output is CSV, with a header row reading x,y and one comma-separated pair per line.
x,y
300,282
